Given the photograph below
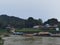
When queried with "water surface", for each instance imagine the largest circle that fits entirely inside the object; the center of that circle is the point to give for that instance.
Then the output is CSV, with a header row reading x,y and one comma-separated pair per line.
x,y
21,40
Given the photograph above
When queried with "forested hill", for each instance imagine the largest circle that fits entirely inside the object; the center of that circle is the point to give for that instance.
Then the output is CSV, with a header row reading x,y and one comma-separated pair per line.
x,y
16,22
10,20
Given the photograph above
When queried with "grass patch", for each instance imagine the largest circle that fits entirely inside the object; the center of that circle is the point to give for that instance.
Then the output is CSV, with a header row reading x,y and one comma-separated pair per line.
x,y
2,31
31,30
28,30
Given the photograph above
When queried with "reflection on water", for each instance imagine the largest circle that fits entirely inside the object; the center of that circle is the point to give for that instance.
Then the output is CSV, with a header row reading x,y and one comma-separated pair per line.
x,y
20,40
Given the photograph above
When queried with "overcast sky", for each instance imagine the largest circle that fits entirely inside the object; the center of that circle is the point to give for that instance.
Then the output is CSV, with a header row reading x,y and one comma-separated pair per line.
x,y
44,9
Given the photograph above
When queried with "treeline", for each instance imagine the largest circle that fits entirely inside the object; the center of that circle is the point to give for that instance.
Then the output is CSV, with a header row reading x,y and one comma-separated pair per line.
x,y
16,22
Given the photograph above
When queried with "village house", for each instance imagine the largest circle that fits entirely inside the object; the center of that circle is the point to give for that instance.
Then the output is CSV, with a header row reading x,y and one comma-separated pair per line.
x,y
52,26
10,29
47,27
37,26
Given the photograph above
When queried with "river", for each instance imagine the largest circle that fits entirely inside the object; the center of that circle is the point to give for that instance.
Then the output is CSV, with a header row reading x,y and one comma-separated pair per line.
x,y
36,40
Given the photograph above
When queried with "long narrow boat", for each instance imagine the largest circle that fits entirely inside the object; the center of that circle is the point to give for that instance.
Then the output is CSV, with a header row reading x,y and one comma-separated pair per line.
x,y
28,35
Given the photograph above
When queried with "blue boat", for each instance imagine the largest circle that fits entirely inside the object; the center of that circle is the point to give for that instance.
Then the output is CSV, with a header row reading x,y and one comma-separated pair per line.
x,y
18,33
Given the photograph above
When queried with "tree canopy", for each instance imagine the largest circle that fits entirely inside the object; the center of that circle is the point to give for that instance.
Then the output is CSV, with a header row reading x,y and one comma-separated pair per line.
x,y
51,21
6,20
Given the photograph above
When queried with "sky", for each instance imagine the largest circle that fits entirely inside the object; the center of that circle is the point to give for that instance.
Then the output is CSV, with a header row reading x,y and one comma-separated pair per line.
x,y
43,9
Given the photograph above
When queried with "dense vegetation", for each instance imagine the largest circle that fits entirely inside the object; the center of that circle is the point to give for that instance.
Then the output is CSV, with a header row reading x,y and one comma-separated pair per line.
x,y
18,22
25,25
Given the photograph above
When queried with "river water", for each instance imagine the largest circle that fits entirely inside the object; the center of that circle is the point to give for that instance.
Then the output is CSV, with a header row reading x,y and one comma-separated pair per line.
x,y
36,40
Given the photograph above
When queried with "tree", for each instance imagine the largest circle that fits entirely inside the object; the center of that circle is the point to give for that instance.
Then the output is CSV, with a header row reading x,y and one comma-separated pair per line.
x,y
29,22
52,21
32,22
16,22
39,22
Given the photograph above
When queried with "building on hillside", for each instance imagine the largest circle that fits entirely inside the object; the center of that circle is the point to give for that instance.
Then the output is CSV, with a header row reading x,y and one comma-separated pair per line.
x,y
47,27
13,30
37,26
57,29
52,27
10,29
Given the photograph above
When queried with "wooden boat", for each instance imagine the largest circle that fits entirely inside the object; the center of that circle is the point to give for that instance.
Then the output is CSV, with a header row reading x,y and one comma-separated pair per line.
x,y
28,35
